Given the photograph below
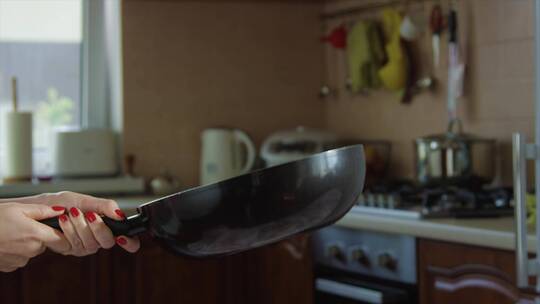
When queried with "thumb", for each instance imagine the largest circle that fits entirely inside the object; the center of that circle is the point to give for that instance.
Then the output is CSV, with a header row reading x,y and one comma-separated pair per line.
x,y
40,212
52,238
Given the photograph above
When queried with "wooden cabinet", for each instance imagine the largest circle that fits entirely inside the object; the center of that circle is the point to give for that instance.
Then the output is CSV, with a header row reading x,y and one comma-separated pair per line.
x,y
76,278
281,273
273,274
453,273
156,276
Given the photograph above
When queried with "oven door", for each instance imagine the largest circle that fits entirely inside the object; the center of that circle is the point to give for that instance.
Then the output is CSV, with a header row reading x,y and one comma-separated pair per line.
x,y
350,291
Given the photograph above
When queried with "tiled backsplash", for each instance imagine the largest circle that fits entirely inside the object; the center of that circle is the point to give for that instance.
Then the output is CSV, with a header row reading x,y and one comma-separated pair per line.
x,y
258,66
194,65
499,87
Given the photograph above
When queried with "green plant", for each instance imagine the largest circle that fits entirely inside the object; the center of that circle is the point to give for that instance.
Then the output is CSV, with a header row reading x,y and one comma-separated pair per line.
x,y
56,111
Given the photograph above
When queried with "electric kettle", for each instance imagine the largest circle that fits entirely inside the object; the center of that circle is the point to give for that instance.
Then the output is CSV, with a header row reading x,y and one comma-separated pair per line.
x,y
225,153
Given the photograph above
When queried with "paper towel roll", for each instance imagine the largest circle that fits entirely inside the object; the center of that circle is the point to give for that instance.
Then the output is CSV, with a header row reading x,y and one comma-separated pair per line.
x,y
18,146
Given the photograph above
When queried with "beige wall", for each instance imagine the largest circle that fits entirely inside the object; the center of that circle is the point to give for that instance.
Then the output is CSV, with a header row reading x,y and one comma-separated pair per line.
x,y
500,89
189,66
258,66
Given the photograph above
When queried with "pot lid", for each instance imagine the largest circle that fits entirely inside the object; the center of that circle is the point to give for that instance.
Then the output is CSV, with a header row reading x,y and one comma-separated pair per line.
x,y
453,134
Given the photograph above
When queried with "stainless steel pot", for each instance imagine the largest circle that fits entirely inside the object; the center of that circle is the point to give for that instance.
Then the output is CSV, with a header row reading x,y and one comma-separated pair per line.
x,y
454,157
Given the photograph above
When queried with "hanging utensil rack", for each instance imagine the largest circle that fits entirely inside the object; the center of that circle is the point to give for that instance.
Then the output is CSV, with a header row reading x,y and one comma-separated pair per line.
x,y
333,14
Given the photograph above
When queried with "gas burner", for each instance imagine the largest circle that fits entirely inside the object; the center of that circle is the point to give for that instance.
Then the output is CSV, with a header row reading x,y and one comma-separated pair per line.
x,y
405,198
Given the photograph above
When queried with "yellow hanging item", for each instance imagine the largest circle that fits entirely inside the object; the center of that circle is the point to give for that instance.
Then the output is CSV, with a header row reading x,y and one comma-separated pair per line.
x,y
365,56
394,73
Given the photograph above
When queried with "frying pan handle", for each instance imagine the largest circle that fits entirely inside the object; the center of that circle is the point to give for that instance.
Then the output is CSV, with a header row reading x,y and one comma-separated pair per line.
x,y
131,226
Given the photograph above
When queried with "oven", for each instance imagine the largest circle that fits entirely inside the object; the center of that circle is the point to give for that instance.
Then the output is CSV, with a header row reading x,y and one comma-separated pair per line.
x,y
353,267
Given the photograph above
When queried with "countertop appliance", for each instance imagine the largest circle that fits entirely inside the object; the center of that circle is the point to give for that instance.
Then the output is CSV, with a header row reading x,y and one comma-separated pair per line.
x,y
406,199
289,145
225,153
85,153
355,267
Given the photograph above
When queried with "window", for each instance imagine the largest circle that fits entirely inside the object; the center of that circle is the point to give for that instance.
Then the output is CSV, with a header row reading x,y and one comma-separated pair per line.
x,y
41,45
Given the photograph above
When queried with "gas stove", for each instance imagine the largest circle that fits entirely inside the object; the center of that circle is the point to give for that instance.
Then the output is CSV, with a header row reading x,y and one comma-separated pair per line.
x,y
405,199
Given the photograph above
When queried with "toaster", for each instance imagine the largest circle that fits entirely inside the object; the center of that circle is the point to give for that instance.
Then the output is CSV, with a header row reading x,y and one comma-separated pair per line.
x,y
290,145
85,153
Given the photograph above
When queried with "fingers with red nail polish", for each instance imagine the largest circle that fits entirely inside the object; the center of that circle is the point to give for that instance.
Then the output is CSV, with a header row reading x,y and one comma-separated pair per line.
x,y
102,233
129,244
84,223
71,235
58,208
63,218
89,244
90,216
120,213
74,212
121,240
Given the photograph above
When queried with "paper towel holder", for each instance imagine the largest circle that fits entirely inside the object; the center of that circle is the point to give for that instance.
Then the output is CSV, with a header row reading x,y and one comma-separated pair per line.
x,y
18,142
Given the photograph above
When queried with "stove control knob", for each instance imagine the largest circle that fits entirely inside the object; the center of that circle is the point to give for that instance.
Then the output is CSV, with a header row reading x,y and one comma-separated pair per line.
x,y
386,260
335,252
359,255
361,200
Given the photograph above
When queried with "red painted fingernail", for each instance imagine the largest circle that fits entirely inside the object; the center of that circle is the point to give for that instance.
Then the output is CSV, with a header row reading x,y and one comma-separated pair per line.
x,y
90,216
74,212
63,218
121,241
120,213
58,208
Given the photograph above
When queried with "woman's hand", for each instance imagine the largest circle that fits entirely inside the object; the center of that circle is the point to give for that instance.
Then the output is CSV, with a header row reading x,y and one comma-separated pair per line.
x,y
83,226
23,237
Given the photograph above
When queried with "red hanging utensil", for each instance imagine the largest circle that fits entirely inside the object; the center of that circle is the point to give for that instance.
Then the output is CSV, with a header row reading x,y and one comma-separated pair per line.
x,y
337,37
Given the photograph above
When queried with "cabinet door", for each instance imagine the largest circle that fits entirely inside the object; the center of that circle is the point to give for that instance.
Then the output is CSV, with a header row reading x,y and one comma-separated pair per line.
x,y
154,275
452,273
281,273
51,278
10,287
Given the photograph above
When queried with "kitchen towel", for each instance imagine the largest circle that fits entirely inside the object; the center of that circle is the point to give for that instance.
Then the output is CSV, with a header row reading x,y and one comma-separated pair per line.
x,y
394,73
365,55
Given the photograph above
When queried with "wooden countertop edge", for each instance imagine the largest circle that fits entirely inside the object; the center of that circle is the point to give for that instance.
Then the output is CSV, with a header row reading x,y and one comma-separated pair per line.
x,y
437,231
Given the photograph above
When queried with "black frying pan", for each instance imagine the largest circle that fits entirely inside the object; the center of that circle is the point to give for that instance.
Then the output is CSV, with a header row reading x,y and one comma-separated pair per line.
x,y
254,209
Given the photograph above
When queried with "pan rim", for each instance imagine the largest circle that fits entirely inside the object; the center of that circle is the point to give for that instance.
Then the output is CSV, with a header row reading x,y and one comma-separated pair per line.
x,y
254,172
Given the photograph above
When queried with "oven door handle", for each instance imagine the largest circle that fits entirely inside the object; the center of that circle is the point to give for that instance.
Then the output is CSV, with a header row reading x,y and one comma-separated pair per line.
x,y
349,291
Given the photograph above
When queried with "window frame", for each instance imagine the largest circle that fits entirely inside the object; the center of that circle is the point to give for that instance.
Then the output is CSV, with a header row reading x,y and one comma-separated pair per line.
x,y
101,81
101,56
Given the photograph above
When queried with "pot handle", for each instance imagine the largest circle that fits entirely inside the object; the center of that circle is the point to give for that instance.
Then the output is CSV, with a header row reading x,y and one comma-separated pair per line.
x,y
453,124
133,225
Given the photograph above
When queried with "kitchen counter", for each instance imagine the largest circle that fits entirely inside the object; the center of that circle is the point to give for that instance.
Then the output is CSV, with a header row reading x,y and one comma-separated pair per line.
x,y
489,232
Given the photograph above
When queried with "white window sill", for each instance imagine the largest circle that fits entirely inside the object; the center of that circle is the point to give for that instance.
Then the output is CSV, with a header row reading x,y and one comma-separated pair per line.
x,y
96,186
